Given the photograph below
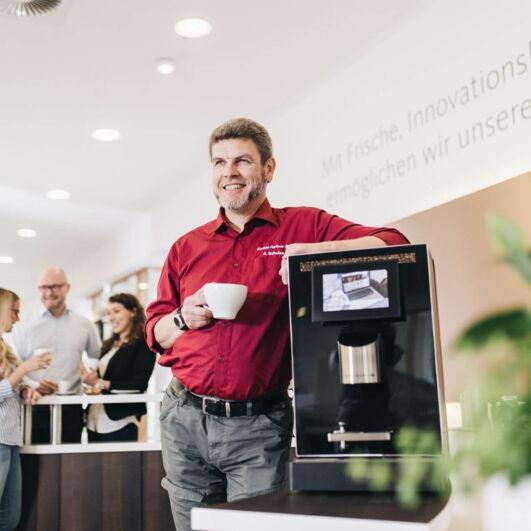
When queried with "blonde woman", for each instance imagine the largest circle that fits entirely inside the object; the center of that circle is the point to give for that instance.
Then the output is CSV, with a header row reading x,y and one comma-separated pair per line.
x,y
11,373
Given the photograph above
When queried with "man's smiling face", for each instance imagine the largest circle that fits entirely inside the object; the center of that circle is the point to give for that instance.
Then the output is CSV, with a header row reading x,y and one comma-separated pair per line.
x,y
239,179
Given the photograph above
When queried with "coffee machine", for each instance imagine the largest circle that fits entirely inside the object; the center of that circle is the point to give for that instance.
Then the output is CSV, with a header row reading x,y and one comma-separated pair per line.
x,y
366,360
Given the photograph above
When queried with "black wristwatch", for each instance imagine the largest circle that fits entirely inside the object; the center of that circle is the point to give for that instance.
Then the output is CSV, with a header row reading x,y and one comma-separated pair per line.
x,y
178,320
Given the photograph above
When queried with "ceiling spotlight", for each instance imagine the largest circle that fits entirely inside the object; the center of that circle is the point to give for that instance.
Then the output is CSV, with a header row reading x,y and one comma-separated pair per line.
x,y
6,260
165,66
143,286
26,233
193,28
106,135
57,194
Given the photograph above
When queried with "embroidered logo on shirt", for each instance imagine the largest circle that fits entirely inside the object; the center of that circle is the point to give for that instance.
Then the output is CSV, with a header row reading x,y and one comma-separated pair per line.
x,y
272,250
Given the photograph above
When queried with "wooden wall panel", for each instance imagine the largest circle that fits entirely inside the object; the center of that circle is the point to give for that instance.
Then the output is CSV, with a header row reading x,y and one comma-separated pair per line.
x,y
121,489
40,492
81,497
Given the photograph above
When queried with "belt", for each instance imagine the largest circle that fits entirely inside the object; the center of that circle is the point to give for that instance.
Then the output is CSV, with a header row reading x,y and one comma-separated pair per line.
x,y
232,408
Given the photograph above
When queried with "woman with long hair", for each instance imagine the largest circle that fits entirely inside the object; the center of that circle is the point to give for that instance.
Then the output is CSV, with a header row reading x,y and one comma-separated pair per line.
x,y
11,373
125,365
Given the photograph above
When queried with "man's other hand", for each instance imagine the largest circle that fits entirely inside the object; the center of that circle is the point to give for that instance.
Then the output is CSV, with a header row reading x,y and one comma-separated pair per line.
x,y
194,311
46,387
293,249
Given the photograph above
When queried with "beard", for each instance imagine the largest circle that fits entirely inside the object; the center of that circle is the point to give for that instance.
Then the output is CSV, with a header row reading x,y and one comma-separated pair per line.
x,y
238,204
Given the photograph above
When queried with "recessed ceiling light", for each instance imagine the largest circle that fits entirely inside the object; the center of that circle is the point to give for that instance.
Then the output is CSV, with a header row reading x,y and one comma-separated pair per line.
x,y
192,28
165,66
6,260
26,233
143,286
58,194
106,135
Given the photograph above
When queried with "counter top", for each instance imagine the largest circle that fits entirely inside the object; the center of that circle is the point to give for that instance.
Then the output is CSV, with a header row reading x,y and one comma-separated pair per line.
x,y
113,398
90,448
315,511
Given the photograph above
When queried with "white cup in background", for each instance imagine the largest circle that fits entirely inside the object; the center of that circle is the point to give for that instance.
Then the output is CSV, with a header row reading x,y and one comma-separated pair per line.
x,y
91,364
224,300
39,374
62,387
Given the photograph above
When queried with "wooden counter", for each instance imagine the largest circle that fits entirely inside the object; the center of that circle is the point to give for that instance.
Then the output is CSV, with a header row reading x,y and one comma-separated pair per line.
x,y
97,491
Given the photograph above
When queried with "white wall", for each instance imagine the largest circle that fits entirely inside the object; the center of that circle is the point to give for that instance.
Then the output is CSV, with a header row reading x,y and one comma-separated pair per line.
x,y
427,61
130,251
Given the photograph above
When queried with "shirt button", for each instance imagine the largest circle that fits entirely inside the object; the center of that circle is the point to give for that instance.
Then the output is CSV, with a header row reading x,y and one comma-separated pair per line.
x,y
236,266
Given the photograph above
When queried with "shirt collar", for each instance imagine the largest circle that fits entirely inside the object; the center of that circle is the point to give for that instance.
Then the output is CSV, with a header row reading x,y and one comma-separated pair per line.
x,y
265,212
46,313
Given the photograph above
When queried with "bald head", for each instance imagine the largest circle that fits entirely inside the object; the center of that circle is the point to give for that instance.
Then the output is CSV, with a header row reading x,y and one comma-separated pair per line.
x,y
53,275
53,287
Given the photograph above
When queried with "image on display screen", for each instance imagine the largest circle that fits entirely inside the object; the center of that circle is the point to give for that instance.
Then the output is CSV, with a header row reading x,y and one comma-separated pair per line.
x,y
355,290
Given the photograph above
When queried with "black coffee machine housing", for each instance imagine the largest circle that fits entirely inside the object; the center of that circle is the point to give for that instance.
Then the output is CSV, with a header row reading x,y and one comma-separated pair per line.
x,y
366,359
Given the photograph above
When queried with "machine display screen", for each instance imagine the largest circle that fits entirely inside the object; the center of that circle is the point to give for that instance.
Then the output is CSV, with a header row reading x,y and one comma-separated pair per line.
x,y
347,292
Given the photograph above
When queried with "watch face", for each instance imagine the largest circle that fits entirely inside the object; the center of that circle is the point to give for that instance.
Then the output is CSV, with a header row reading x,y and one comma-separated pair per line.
x,y
179,321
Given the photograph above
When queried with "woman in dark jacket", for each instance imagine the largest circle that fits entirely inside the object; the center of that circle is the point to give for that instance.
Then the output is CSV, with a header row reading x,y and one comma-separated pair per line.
x,y
125,365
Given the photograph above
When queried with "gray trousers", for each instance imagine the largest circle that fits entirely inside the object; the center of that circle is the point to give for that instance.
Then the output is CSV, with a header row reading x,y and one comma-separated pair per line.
x,y
210,459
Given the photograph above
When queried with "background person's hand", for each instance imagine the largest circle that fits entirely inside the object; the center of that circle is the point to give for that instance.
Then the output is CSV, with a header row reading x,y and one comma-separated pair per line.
x,y
30,395
41,361
46,387
88,377
194,312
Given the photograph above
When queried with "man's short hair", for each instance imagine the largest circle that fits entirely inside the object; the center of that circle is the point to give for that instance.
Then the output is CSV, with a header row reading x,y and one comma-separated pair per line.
x,y
244,128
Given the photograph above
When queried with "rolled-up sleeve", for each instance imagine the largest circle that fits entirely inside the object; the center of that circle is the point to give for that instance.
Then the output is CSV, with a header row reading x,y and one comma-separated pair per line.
x,y
167,299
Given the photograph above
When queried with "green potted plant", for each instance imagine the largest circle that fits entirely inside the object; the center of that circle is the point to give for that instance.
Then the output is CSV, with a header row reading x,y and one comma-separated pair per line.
x,y
496,453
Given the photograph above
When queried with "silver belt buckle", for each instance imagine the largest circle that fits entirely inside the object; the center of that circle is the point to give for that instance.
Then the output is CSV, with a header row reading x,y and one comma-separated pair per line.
x,y
205,400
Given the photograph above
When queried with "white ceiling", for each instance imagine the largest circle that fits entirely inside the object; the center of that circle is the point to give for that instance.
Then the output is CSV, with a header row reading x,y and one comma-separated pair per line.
x,y
91,64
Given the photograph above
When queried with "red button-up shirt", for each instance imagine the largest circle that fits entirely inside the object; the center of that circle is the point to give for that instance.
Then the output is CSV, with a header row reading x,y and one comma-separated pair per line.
x,y
249,356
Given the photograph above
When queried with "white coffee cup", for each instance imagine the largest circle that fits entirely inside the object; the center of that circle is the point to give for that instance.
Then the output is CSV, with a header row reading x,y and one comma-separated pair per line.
x,y
91,364
62,387
224,300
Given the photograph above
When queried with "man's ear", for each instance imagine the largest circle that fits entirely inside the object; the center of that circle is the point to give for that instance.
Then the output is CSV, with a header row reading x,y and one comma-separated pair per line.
x,y
269,168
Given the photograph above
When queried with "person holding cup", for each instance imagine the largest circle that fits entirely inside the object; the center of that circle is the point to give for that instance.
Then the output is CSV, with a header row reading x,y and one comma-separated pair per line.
x,y
66,334
231,375
126,364
12,371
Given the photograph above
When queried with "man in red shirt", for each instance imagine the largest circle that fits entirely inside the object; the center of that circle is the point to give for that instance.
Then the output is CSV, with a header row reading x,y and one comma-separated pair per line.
x,y
226,420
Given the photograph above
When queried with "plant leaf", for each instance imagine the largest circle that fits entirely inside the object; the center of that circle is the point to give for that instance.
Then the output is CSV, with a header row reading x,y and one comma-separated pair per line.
x,y
511,325
521,262
507,236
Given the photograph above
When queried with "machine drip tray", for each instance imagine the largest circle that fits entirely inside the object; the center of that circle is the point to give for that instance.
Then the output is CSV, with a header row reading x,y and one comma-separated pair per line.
x,y
330,474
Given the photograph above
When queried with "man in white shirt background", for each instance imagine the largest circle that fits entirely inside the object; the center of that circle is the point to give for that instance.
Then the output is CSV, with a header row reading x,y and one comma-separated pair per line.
x,y
67,335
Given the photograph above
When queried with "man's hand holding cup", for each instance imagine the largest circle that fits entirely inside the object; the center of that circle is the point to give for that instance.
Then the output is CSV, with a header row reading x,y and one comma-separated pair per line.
x,y
46,387
194,311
